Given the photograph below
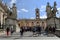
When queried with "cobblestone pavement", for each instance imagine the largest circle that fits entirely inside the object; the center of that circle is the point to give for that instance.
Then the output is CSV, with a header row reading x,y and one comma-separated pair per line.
x,y
28,35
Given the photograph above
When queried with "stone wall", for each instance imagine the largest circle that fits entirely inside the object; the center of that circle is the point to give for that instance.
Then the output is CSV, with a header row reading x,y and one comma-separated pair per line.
x,y
52,21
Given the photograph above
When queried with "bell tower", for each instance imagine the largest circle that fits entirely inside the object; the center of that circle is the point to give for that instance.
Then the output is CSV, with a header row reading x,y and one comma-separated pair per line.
x,y
37,14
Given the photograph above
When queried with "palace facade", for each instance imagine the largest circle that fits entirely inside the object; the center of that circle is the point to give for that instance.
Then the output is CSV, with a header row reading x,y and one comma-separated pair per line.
x,y
51,19
33,22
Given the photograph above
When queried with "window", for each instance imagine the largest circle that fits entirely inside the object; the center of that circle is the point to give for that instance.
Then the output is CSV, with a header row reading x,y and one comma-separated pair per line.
x,y
37,22
19,24
42,22
32,22
37,11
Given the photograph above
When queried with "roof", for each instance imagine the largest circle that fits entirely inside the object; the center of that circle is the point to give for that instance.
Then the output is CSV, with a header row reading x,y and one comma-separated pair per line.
x,y
30,20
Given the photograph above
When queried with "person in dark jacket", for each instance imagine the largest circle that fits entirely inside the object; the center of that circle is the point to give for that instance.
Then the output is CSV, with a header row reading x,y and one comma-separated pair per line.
x,y
46,30
39,30
50,29
34,30
21,31
7,31
53,29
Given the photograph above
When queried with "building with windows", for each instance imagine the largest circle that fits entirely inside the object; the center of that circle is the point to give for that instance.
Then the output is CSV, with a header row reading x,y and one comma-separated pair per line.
x,y
33,22
51,19
8,16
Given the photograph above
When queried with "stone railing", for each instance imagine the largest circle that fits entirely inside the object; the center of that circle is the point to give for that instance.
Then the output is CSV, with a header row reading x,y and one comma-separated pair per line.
x,y
57,33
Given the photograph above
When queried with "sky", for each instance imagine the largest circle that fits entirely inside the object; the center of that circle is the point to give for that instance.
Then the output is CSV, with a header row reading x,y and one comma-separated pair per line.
x,y
26,8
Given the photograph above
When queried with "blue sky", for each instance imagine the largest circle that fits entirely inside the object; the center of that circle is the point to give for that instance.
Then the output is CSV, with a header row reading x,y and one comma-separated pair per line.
x,y
26,8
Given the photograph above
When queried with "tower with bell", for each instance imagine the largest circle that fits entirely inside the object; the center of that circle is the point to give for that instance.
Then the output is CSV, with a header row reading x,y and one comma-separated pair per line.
x,y
37,14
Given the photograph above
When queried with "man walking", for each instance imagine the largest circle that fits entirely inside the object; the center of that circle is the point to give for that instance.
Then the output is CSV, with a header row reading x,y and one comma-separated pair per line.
x,y
7,31
21,31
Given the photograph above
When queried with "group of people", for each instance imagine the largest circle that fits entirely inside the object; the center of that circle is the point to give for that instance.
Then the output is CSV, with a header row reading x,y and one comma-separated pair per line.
x,y
50,30
37,30
9,31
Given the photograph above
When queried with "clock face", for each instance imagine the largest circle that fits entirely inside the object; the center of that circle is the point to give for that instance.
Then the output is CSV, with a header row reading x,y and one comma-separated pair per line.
x,y
37,17
37,14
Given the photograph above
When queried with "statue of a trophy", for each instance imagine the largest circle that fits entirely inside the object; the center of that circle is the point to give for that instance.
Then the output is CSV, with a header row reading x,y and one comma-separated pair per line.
x,y
48,10
54,10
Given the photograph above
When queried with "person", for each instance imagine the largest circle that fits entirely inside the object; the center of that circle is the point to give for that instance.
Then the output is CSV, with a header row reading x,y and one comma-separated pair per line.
x,y
46,30
7,31
34,30
39,30
50,29
53,29
21,31
12,31
26,28
30,29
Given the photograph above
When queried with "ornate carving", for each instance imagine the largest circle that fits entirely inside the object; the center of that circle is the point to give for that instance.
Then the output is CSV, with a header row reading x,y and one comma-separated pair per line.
x,y
51,11
54,10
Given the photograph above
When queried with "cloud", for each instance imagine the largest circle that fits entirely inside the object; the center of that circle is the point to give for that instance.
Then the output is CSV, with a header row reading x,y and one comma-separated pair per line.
x,y
32,18
58,9
24,10
18,11
43,8
43,17
58,15
12,1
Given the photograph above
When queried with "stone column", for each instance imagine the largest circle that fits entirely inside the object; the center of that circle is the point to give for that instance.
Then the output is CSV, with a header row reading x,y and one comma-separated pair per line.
x,y
4,21
1,19
17,28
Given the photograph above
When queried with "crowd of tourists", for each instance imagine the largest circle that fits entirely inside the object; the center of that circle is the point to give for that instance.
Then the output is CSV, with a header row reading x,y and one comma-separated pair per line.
x,y
37,30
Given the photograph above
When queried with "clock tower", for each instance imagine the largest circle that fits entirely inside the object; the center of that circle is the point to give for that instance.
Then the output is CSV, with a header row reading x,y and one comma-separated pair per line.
x,y
37,14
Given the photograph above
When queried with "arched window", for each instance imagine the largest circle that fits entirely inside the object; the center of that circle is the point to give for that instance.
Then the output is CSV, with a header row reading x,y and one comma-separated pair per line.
x,y
37,22
19,24
42,22
37,11
32,23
